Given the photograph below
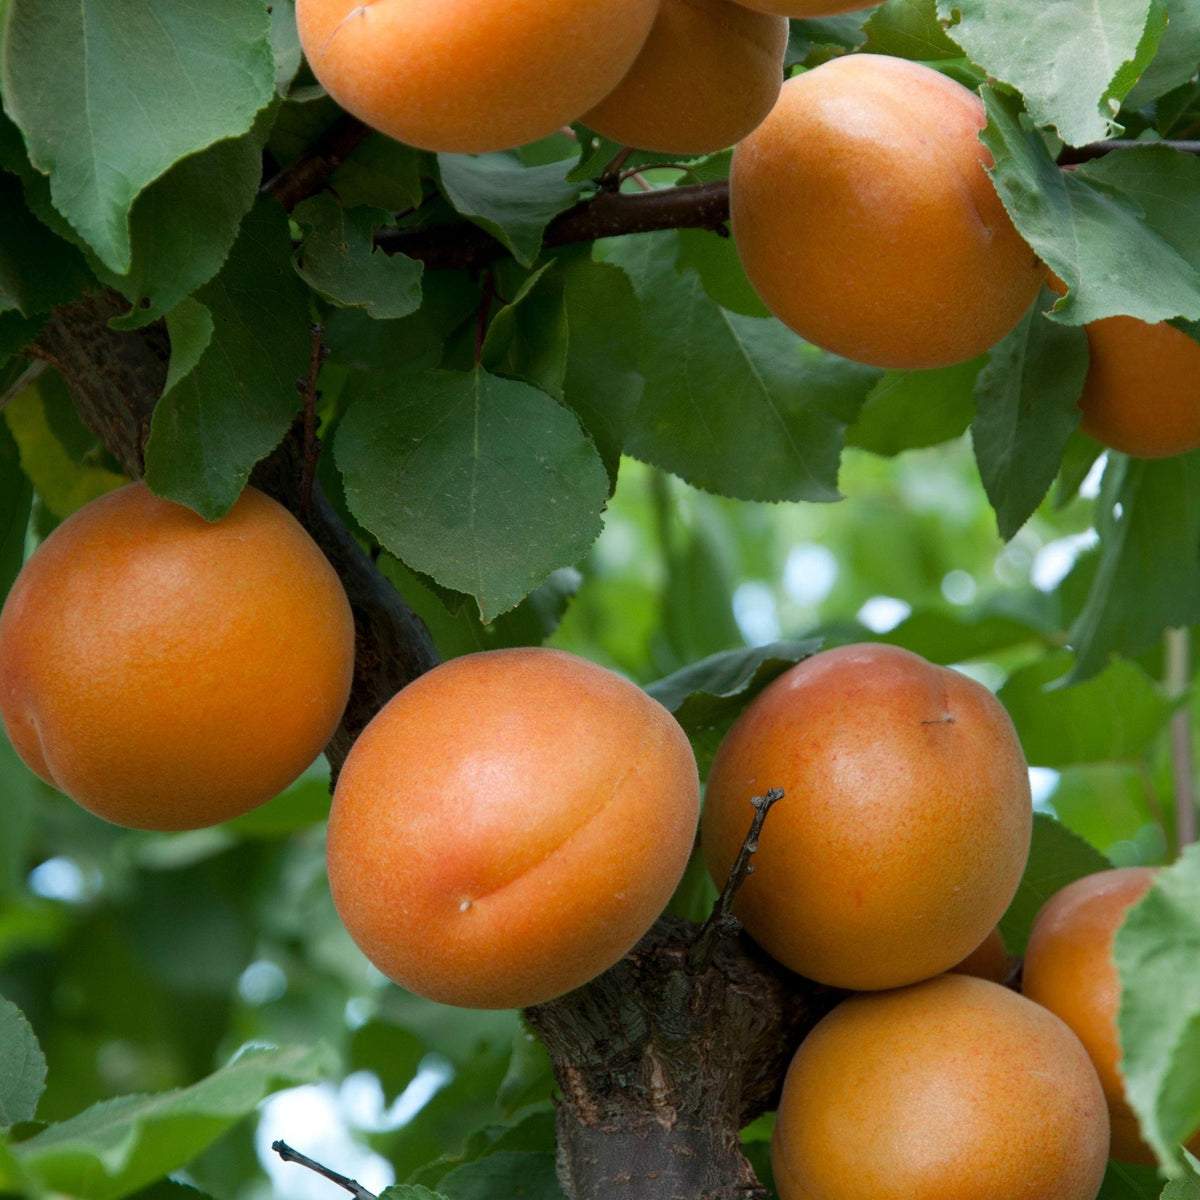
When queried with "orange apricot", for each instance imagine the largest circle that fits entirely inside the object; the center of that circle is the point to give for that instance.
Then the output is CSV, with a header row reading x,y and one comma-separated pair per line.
x,y
166,672
471,75
866,221
509,825
989,960
708,74
1069,969
952,1089
906,822
1142,391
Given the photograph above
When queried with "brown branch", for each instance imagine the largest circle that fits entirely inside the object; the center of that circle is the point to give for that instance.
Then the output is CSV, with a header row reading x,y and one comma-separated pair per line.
x,y
1073,155
607,214
355,1188
721,922
309,395
308,173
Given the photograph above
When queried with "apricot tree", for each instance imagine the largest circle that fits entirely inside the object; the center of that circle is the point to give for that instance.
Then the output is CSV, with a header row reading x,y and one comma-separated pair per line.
x,y
523,391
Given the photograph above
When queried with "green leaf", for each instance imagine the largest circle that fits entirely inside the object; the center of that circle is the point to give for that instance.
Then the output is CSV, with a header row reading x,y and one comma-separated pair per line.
x,y
22,1067
1028,406
285,44
715,259
1056,857
1117,231
707,697
733,404
108,99
237,402
184,224
949,637
909,29
381,173
530,1074
513,1175
338,259
118,1146
1148,576
409,1191
514,203
527,339
1185,1187
484,484
1115,715
1078,88
602,384
909,409
1178,54
16,500
1124,1181
37,269
1157,952
393,1053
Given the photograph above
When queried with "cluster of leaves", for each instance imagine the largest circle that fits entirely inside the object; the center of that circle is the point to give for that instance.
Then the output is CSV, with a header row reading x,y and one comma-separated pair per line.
x,y
477,418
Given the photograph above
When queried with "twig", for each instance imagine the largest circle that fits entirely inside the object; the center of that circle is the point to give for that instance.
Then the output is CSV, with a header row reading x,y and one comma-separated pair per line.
x,y
309,173
1072,155
721,922
1177,650
22,381
307,387
351,1185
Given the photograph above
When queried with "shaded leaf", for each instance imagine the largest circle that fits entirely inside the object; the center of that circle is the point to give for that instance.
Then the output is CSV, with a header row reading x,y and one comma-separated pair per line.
x,y
38,270
514,1175
484,484
948,637
189,76
527,339
338,259
1148,575
16,500
1056,857
1157,952
1027,399
1178,53
514,203
733,404
393,1053
909,409
1124,1181
22,1067
909,29
236,403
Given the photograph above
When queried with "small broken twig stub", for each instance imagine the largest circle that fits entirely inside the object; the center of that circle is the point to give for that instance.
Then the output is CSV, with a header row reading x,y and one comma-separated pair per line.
x,y
721,922
355,1188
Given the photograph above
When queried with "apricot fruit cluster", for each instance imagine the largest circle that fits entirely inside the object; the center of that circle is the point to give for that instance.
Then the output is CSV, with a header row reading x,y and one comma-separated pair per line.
x,y
900,843
866,222
509,825
166,672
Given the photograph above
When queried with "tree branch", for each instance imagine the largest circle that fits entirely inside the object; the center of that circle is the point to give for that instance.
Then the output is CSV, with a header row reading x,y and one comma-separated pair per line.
x,y
309,173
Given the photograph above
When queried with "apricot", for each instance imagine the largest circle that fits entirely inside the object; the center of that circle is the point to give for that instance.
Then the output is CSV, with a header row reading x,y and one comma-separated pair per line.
x,y
170,673
471,75
509,825
906,823
952,1089
1142,391
708,74
1069,969
989,960
866,221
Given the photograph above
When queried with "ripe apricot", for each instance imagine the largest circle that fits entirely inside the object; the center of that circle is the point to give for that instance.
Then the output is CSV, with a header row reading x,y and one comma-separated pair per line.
x,y
989,960
169,673
952,1089
509,825
708,74
1142,391
471,75
906,823
866,221
1069,970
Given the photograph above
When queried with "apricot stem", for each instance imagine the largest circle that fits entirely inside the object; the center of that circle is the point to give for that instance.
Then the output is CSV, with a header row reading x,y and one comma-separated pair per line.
x,y
1182,760
721,922
355,1188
